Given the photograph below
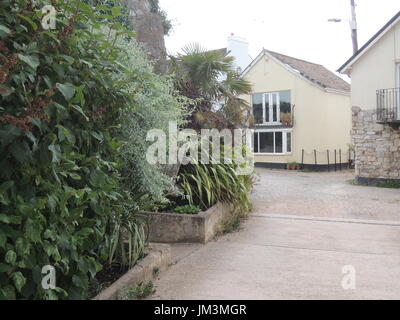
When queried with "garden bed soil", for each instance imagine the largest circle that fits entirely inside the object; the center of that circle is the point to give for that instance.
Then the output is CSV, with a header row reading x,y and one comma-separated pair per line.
x,y
116,280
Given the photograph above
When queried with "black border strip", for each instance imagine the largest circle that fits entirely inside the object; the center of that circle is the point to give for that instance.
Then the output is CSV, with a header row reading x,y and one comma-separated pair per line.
x,y
311,167
374,181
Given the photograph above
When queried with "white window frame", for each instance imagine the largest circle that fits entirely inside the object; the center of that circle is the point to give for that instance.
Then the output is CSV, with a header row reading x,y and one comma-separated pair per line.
x,y
284,142
291,141
398,74
269,96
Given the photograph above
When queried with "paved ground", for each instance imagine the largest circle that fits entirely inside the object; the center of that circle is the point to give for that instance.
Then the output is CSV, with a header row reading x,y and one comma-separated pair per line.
x,y
323,195
305,229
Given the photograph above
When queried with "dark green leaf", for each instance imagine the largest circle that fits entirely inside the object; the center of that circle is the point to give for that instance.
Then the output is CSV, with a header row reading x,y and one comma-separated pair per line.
x,y
78,281
33,230
5,91
11,257
4,31
32,61
55,152
19,280
79,109
5,186
8,293
29,20
21,151
3,240
67,89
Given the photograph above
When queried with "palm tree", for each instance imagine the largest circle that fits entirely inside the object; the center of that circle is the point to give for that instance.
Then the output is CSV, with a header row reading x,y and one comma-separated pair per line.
x,y
210,79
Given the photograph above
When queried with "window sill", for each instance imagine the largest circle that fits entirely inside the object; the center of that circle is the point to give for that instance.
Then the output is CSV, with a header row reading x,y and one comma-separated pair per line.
x,y
277,126
272,154
269,124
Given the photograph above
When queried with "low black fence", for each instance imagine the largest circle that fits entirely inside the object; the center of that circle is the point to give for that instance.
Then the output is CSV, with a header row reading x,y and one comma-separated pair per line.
x,y
329,160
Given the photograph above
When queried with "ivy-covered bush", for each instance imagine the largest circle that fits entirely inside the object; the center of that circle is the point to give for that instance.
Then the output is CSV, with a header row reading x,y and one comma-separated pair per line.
x,y
63,93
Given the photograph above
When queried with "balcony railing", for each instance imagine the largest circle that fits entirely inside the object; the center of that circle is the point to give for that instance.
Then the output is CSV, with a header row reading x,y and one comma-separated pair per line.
x,y
388,105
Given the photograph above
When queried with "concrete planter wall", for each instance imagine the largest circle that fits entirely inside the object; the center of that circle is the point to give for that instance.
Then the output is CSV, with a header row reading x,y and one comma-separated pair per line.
x,y
158,258
177,228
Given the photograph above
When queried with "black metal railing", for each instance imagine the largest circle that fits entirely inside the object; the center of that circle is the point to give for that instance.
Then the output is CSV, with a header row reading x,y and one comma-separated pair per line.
x,y
388,105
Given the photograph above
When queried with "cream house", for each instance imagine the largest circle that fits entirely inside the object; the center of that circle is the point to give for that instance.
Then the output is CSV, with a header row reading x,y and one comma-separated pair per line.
x,y
301,111
375,97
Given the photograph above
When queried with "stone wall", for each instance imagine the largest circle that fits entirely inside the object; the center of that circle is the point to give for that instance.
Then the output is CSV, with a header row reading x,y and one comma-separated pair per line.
x,y
149,31
377,148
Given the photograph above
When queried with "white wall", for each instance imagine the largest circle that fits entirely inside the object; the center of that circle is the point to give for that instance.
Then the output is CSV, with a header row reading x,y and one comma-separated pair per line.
x,y
376,70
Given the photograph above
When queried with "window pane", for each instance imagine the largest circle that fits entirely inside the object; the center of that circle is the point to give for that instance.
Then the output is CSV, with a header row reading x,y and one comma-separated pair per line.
x,y
266,142
289,141
267,108
278,142
258,108
285,103
275,108
255,139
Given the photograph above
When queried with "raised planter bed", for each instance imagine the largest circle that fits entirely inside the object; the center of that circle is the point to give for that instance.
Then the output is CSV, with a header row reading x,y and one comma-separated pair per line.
x,y
158,259
178,228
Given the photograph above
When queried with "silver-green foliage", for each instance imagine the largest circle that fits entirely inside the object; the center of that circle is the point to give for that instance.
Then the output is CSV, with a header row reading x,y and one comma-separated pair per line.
x,y
156,104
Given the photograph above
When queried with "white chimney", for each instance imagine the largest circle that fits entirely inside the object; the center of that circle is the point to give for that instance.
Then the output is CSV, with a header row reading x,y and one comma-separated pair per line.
x,y
239,49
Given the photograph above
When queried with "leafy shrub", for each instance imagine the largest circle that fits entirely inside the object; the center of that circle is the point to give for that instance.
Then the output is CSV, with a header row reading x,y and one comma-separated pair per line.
x,y
62,94
188,209
103,7
155,103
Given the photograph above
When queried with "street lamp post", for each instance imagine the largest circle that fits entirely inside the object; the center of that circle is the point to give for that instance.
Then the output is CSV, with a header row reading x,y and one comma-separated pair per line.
x,y
353,25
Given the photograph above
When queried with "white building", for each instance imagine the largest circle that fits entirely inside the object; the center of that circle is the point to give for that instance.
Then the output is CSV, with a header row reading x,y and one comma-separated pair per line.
x,y
375,97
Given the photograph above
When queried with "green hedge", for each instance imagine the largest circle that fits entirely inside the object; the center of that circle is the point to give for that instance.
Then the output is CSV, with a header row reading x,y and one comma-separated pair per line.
x,y
60,99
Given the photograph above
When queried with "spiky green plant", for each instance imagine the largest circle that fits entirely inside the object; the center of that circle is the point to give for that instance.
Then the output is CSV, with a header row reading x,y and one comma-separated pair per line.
x,y
206,184
129,237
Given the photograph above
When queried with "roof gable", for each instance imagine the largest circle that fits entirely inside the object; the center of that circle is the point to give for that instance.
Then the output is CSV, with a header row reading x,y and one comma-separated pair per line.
x,y
313,73
388,26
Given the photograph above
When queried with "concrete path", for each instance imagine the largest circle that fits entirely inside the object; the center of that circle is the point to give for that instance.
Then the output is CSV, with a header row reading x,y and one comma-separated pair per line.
x,y
306,230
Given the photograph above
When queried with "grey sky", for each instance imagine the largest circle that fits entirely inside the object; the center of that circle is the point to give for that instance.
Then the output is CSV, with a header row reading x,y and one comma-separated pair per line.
x,y
297,28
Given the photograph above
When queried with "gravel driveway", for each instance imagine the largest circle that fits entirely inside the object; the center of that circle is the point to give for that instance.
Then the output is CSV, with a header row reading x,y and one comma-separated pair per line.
x,y
307,229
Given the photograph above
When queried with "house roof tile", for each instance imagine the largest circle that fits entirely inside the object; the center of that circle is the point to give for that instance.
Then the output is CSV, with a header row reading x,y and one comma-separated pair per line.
x,y
316,73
